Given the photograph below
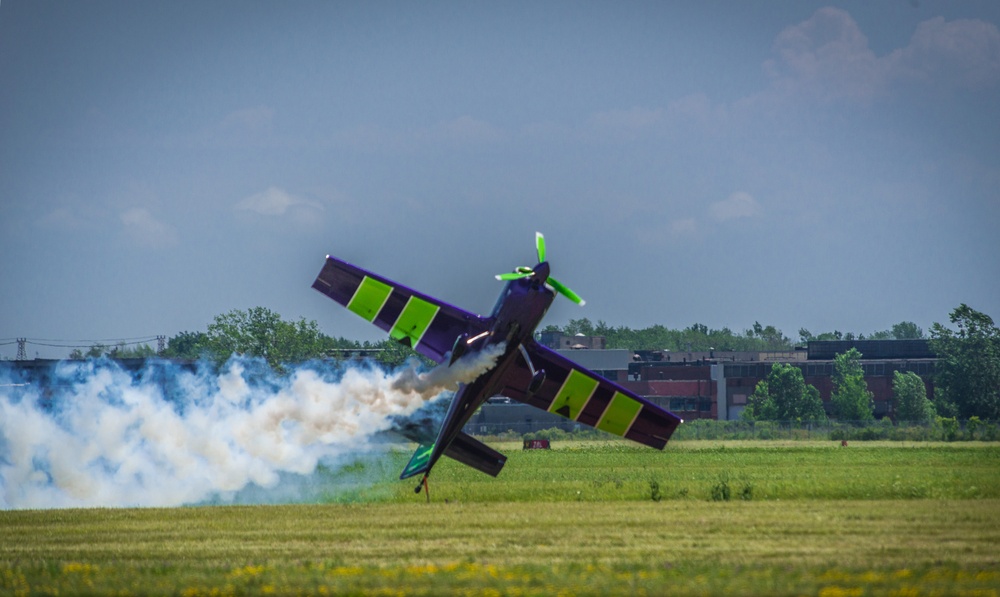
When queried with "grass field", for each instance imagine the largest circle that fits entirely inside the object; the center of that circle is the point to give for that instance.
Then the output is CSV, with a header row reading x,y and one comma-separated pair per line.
x,y
878,519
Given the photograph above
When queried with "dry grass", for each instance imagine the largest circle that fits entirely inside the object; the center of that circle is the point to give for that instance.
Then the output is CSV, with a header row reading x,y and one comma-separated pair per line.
x,y
849,534
529,546
539,540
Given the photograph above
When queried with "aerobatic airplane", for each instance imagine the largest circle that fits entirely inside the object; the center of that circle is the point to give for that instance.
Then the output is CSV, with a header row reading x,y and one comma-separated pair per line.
x,y
525,371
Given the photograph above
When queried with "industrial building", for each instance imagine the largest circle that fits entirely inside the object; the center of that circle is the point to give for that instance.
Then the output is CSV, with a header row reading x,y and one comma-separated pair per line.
x,y
716,384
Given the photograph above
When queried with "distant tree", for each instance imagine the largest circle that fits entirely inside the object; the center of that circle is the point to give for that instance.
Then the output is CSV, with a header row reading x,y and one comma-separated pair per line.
x,y
772,337
117,351
393,354
785,396
907,330
137,351
807,336
967,374
186,345
697,337
851,399
96,351
760,406
579,326
904,330
261,332
603,329
909,398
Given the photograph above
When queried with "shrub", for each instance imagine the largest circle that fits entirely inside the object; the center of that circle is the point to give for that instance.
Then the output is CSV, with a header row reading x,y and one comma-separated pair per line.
x,y
654,491
948,428
721,491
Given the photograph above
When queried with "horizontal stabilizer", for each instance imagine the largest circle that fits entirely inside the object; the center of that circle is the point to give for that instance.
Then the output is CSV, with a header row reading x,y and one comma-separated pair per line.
x,y
474,453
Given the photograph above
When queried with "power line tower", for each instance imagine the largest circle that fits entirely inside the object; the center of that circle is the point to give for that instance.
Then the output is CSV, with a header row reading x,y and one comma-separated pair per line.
x,y
22,354
161,345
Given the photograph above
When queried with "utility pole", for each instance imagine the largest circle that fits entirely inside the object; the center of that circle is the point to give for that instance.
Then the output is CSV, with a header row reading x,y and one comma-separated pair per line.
x,y
22,354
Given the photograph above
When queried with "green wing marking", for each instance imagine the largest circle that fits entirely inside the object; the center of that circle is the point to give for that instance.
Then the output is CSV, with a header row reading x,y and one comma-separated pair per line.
x,y
425,324
619,415
369,298
574,394
414,320
418,462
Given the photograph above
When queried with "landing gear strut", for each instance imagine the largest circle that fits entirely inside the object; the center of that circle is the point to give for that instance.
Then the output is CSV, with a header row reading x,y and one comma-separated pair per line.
x,y
423,485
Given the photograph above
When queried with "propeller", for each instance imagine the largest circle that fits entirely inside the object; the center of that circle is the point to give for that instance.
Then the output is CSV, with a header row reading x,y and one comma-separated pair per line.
x,y
541,272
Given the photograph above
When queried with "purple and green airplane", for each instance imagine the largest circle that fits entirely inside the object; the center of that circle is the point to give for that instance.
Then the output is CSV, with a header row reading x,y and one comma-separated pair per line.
x,y
525,371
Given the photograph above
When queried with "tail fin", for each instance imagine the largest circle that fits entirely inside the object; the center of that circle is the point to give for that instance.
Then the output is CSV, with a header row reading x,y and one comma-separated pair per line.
x,y
419,462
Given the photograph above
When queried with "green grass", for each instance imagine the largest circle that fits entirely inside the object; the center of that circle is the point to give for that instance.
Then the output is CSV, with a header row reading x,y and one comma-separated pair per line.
x,y
620,471
878,519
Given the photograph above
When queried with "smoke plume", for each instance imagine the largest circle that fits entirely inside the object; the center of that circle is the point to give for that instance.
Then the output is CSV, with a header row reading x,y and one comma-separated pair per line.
x,y
94,434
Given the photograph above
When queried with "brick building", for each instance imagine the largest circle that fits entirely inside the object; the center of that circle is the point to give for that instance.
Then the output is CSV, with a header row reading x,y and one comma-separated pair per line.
x,y
716,384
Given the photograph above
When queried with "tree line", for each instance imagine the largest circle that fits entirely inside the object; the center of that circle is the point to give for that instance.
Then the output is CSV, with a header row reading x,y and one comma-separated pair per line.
x,y
699,337
262,333
966,379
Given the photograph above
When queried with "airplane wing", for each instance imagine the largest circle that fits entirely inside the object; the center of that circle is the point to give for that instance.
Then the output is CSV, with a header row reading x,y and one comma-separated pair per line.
x,y
423,323
581,395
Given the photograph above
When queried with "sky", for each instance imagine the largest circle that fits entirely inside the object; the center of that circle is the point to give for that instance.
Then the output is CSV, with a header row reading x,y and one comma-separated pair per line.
x,y
818,165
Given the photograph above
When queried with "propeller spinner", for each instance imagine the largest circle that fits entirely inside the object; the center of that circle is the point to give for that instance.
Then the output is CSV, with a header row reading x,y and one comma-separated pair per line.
x,y
541,273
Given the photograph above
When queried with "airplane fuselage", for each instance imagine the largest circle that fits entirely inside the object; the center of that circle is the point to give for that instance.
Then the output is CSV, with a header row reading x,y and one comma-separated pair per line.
x,y
520,308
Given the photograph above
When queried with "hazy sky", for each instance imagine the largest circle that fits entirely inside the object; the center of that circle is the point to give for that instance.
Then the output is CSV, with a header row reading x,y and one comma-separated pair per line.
x,y
802,164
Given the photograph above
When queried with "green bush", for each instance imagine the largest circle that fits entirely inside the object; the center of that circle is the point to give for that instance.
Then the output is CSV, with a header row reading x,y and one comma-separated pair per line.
x,y
948,428
721,491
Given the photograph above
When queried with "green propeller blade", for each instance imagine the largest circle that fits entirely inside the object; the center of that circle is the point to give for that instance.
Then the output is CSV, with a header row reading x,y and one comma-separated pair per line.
x,y
526,272
565,291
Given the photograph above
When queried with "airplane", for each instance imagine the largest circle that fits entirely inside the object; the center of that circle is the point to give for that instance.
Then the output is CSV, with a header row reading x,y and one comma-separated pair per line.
x,y
525,371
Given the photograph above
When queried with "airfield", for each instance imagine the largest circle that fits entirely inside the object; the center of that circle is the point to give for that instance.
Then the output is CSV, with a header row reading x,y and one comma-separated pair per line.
x,y
601,517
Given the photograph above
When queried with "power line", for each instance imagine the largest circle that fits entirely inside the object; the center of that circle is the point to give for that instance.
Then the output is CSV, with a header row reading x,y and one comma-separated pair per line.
x,y
22,343
146,338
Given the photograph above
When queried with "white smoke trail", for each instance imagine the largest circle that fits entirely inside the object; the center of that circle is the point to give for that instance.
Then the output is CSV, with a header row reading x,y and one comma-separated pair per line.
x,y
170,436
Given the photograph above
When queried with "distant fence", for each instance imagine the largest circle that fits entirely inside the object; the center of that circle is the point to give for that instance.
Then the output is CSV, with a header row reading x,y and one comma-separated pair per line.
x,y
942,429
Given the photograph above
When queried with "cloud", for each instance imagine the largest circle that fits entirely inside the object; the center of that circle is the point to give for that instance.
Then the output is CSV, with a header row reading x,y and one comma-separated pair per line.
x,y
827,58
963,53
147,231
275,202
737,205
